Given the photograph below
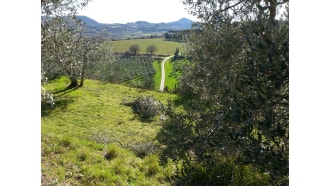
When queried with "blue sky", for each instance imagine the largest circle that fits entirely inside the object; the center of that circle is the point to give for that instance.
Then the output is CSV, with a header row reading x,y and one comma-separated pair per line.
x,y
123,11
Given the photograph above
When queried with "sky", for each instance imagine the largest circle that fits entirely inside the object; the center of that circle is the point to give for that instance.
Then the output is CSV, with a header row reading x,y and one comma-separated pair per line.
x,y
124,11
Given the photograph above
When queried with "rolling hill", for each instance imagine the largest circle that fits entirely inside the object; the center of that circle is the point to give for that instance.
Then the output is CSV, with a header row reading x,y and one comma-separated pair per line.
x,y
136,29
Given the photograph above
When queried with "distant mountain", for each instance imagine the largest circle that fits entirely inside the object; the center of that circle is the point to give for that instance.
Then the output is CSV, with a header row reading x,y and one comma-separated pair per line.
x,y
183,23
88,21
134,29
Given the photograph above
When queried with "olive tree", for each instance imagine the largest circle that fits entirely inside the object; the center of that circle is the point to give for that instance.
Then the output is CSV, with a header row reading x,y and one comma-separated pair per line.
x,y
97,55
59,34
239,81
65,49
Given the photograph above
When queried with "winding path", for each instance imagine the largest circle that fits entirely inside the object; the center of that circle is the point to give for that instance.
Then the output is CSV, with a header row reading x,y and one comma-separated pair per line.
x,y
162,82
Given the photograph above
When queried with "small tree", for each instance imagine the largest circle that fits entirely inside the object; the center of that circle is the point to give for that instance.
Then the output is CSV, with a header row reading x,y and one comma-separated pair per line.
x,y
96,55
151,49
61,34
134,49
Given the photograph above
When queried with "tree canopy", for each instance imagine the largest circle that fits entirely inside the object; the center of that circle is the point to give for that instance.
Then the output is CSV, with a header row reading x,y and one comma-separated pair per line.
x,y
151,49
65,50
134,49
238,79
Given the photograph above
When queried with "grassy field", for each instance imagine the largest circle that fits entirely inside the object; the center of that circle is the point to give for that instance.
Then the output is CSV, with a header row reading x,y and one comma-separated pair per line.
x,y
164,47
158,75
91,138
170,80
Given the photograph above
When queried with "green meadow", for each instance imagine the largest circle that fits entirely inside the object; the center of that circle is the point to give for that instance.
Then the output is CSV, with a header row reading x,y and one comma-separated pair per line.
x,y
92,138
170,80
158,75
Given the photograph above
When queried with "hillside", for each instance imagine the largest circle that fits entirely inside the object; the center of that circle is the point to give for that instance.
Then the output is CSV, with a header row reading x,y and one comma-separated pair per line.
x,y
88,21
134,29
89,123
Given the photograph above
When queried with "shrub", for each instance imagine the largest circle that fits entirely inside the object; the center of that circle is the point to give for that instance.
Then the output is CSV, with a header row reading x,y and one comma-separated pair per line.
x,y
221,172
146,107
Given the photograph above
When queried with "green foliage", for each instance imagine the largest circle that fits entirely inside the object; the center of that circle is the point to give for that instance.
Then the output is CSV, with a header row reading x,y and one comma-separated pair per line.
x,y
238,78
210,158
65,50
222,172
148,83
180,36
135,71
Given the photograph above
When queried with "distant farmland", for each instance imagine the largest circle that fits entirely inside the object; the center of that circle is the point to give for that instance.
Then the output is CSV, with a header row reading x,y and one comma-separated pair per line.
x,y
164,47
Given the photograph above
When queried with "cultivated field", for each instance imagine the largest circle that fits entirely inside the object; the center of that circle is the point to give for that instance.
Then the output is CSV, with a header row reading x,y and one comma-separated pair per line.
x,y
164,47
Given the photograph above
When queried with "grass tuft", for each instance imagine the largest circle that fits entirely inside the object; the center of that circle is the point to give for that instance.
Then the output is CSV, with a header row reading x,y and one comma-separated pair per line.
x,y
112,152
151,163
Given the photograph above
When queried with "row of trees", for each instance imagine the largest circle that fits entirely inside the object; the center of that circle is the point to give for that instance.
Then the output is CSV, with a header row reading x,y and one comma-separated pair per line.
x,y
65,50
180,36
134,49
238,80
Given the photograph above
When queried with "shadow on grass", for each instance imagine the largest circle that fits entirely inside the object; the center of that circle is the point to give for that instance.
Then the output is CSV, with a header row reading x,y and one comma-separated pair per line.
x,y
176,139
186,102
64,91
61,104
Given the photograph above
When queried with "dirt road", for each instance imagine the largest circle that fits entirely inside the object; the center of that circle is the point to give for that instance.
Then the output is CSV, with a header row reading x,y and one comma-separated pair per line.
x,y
162,82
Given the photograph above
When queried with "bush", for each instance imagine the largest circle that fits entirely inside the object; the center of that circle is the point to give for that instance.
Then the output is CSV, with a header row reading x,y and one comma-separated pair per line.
x,y
146,107
221,172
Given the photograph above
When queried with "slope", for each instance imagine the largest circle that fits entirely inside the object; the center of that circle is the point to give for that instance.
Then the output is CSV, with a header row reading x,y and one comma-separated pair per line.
x,y
89,123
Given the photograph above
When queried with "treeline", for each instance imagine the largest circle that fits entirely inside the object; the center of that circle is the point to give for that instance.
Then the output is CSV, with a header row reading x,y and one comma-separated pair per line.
x,y
178,36
140,37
